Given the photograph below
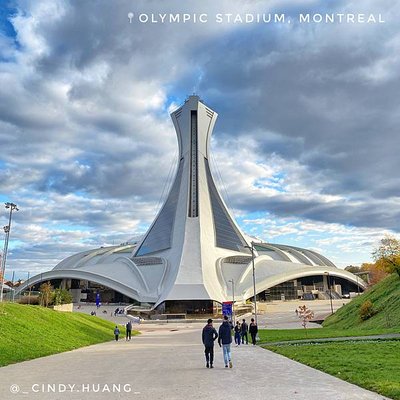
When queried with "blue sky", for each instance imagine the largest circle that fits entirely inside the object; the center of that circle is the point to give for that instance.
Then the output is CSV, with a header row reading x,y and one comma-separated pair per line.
x,y
306,141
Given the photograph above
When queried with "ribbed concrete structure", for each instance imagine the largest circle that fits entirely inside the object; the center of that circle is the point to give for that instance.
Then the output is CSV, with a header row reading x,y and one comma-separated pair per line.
x,y
194,248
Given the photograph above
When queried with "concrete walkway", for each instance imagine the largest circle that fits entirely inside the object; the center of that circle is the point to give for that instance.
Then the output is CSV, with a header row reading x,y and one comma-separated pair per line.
x,y
167,362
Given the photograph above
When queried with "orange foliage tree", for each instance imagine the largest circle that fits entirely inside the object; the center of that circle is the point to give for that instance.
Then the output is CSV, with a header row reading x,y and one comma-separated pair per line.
x,y
387,255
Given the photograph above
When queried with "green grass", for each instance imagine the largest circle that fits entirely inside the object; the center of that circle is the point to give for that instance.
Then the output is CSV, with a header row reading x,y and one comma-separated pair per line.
x,y
372,365
28,332
385,297
281,335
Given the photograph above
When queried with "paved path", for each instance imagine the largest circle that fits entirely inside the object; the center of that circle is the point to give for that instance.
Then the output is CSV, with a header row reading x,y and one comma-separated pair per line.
x,y
104,312
167,362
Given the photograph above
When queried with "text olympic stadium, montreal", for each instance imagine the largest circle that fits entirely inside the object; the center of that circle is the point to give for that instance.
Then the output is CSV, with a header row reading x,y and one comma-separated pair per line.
x,y
255,18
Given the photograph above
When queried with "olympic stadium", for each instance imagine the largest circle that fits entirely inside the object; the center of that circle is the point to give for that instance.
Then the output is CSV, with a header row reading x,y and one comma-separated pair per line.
x,y
194,255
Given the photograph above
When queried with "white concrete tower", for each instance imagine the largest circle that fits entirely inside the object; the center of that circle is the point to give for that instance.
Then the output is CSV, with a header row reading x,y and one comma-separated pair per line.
x,y
194,228
193,250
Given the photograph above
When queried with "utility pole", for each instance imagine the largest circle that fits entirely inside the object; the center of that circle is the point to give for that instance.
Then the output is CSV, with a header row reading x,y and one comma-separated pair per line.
x,y
233,300
330,290
254,280
7,229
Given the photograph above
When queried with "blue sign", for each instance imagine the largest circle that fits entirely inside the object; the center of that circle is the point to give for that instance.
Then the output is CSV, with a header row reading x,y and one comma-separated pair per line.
x,y
98,299
227,308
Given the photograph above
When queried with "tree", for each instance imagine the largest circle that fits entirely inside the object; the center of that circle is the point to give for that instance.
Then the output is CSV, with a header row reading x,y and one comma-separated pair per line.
x,y
353,269
46,294
387,254
305,314
375,272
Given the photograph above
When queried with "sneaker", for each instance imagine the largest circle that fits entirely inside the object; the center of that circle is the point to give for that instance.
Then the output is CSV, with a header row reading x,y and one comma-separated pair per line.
x,y
207,365
226,366
230,364
211,366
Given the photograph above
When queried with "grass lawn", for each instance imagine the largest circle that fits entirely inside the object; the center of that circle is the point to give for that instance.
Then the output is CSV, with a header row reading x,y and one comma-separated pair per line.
x,y
385,297
374,365
280,335
28,332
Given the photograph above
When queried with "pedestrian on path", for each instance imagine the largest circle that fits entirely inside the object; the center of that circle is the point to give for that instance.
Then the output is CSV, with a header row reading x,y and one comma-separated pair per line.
x,y
237,333
244,328
128,330
253,329
225,338
209,335
116,333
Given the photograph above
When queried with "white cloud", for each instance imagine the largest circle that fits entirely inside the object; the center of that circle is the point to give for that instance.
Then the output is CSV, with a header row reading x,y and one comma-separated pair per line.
x,y
307,128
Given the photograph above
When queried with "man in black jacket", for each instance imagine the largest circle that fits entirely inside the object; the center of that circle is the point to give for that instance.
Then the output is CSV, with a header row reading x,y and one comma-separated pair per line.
x,y
209,335
243,331
253,329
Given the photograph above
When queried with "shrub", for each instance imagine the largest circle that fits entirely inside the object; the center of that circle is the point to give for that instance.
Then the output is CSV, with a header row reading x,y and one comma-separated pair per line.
x,y
62,296
33,300
367,310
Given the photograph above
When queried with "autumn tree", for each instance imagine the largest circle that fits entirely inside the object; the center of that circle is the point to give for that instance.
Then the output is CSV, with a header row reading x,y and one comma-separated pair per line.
x,y
305,315
46,294
353,269
375,272
387,254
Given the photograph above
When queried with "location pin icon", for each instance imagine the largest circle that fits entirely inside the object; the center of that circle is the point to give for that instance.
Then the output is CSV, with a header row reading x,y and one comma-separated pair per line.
x,y
130,16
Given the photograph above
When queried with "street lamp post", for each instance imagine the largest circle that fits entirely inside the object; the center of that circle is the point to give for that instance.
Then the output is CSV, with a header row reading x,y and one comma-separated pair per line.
x,y
233,300
7,229
358,286
330,291
13,287
254,280
29,288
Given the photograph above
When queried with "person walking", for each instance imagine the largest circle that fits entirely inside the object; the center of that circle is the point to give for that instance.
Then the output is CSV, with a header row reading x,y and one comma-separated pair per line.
x,y
253,329
208,336
128,330
237,333
244,328
116,333
225,338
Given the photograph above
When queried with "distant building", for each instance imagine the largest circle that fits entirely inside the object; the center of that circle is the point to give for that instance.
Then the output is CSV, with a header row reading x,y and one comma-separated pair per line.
x,y
194,248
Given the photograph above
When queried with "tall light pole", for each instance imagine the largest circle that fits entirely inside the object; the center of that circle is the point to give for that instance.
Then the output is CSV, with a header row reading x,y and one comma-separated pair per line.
x,y
330,291
29,288
13,287
254,280
7,229
358,286
233,300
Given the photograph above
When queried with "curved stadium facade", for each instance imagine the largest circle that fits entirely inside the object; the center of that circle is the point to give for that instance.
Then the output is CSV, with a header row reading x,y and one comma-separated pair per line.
x,y
194,248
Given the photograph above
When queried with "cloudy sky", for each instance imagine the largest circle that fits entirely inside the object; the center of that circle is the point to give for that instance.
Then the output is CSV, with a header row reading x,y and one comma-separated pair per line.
x,y
305,150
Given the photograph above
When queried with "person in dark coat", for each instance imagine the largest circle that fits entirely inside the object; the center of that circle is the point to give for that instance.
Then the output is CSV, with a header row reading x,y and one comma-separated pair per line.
x,y
116,333
237,330
225,338
209,335
244,328
253,329
128,330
